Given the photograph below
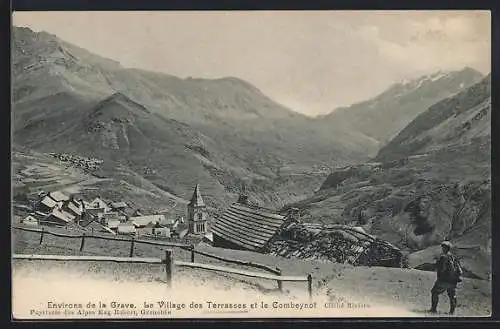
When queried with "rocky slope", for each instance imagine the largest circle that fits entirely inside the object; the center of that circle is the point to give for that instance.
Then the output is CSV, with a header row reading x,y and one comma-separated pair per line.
x,y
431,182
384,116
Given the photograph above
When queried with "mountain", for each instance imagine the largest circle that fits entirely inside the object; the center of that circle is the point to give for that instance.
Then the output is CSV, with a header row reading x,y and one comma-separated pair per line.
x,y
455,123
220,133
383,117
429,183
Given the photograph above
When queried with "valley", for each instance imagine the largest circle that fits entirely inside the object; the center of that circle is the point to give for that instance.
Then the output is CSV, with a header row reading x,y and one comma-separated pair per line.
x,y
410,166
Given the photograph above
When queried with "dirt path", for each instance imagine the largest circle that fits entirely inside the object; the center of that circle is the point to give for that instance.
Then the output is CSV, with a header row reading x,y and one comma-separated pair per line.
x,y
37,283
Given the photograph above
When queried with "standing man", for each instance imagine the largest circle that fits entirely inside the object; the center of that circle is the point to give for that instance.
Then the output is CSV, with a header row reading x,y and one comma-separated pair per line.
x,y
449,274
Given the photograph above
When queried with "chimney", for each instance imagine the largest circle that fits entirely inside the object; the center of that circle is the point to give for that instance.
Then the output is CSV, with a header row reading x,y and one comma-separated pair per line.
x,y
293,214
243,199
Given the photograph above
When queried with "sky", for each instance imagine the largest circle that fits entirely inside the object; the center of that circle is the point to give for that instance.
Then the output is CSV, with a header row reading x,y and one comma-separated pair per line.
x,y
312,62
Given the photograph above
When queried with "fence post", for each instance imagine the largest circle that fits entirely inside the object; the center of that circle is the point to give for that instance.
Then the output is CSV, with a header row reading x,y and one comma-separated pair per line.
x,y
83,242
168,266
192,253
309,285
280,283
132,247
41,235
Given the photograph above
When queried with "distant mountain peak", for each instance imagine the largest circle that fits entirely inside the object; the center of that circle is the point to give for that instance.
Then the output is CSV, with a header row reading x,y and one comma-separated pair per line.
x,y
402,102
438,75
469,69
449,121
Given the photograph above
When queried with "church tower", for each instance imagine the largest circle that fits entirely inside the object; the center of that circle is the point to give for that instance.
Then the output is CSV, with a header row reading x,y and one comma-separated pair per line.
x,y
197,213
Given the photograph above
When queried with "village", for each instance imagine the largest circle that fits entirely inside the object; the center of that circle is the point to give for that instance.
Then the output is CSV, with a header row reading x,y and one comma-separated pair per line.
x,y
242,226
56,209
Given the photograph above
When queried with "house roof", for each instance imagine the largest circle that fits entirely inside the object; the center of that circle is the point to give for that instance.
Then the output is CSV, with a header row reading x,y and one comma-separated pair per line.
x,y
63,216
196,199
209,236
120,204
108,230
75,207
49,202
58,196
145,220
113,224
29,218
248,227
98,203
126,228
167,221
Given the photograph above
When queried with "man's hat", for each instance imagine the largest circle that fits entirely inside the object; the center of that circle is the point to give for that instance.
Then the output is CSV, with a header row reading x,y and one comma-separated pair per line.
x,y
446,244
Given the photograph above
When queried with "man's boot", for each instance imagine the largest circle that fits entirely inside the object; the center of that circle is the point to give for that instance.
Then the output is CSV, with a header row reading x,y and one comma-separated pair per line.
x,y
434,300
453,305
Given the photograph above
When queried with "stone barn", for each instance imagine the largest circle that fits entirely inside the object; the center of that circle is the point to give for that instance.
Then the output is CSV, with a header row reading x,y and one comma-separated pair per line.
x,y
336,243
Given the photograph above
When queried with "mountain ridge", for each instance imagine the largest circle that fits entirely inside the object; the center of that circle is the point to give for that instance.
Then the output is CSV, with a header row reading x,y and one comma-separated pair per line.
x,y
450,108
385,115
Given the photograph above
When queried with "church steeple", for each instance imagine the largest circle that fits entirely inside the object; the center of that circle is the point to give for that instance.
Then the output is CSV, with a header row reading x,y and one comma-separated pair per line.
x,y
196,199
197,215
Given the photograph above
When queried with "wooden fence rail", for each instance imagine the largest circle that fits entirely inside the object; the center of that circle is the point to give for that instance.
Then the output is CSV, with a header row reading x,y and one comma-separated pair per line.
x,y
132,241
84,236
90,258
278,278
193,251
169,266
183,246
